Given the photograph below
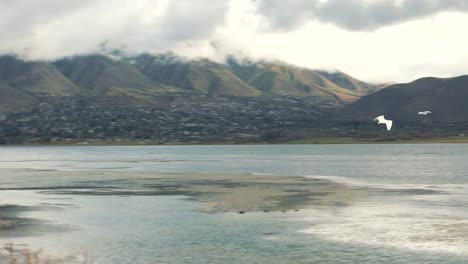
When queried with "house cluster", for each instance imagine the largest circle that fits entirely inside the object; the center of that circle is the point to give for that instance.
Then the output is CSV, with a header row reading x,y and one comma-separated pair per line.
x,y
170,119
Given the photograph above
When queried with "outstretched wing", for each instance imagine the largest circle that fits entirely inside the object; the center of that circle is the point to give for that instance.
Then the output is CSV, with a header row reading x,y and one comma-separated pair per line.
x,y
424,113
389,124
380,119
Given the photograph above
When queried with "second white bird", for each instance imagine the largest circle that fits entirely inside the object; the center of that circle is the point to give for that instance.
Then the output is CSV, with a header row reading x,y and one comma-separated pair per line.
x,y
424,113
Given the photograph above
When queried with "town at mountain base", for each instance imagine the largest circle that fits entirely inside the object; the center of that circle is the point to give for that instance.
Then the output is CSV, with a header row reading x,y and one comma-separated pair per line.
x,y
165,99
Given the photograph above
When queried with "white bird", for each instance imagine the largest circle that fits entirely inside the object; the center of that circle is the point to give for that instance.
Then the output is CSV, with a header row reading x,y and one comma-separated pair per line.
x,y
424,113
382,120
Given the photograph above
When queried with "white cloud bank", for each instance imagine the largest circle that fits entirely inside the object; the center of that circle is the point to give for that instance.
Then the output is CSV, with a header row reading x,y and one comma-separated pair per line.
x,y
408,41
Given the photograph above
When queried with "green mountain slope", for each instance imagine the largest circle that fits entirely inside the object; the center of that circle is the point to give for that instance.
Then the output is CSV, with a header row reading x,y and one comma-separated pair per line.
x,y
249,79
133,79
199,76
101,75
12,99
348,82
37,78
282,79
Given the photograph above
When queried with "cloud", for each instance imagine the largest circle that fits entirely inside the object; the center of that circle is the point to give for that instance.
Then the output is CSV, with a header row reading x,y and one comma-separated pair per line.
x,y
52,28
415,38
189,19
355,15
21,18
432,46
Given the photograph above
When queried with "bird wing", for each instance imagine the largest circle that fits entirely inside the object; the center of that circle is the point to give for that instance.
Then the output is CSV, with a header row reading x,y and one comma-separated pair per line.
x,y
424,113
389,124
381,119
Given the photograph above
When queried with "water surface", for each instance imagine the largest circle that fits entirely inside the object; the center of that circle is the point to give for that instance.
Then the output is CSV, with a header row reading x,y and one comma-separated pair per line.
x,y
415,210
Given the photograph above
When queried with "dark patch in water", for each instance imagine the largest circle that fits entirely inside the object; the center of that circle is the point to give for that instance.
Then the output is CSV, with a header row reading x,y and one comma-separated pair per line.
x,y
65,187
56,205
14,225
116,192
412,191
102,181
163,186
113,168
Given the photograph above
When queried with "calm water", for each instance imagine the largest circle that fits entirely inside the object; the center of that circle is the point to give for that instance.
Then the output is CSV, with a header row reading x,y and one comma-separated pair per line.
x,y
416,210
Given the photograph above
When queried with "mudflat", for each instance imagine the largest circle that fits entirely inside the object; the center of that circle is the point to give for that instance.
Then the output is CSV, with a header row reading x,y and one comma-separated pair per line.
x,y
218,192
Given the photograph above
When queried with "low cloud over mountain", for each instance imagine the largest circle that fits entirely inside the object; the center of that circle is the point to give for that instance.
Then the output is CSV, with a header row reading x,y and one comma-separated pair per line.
x,y
377,41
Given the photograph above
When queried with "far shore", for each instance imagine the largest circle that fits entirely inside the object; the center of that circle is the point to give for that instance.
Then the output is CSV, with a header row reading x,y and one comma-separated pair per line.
x,y
305,141
351,140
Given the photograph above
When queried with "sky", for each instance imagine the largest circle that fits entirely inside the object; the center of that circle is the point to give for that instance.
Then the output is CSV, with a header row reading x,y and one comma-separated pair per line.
x,y
372,40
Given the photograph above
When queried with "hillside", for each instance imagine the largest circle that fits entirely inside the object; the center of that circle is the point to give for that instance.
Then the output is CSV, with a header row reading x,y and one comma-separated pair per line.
x,y
36,78
348,82
104,76
14,99
446,98
278,78
137,79
199,76
245,78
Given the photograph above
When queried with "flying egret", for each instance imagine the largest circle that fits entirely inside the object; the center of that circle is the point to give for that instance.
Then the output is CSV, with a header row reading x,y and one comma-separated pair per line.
x,y
424,113
382,120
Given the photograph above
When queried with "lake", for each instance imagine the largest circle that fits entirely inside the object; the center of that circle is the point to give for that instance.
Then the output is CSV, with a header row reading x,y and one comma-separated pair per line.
x,y
412,205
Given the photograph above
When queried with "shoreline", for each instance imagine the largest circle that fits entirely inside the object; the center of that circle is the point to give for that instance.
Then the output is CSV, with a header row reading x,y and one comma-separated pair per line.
x,y
304,141
351,140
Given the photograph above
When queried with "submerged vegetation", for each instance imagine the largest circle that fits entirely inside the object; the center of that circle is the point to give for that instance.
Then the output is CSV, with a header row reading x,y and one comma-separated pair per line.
x,y
25,256
10,254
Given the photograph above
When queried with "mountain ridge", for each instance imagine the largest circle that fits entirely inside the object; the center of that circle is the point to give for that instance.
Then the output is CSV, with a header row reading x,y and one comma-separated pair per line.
x,y
136,79
444,97
35,77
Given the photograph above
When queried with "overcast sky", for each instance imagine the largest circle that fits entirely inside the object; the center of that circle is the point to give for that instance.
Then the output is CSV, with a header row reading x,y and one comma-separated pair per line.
x,y
373,40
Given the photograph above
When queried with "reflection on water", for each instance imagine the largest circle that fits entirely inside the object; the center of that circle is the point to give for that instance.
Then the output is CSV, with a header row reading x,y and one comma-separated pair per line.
x,y
398,225
414,211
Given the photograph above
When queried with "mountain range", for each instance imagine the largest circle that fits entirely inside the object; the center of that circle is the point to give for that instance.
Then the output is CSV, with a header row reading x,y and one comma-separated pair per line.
x,y
138,78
